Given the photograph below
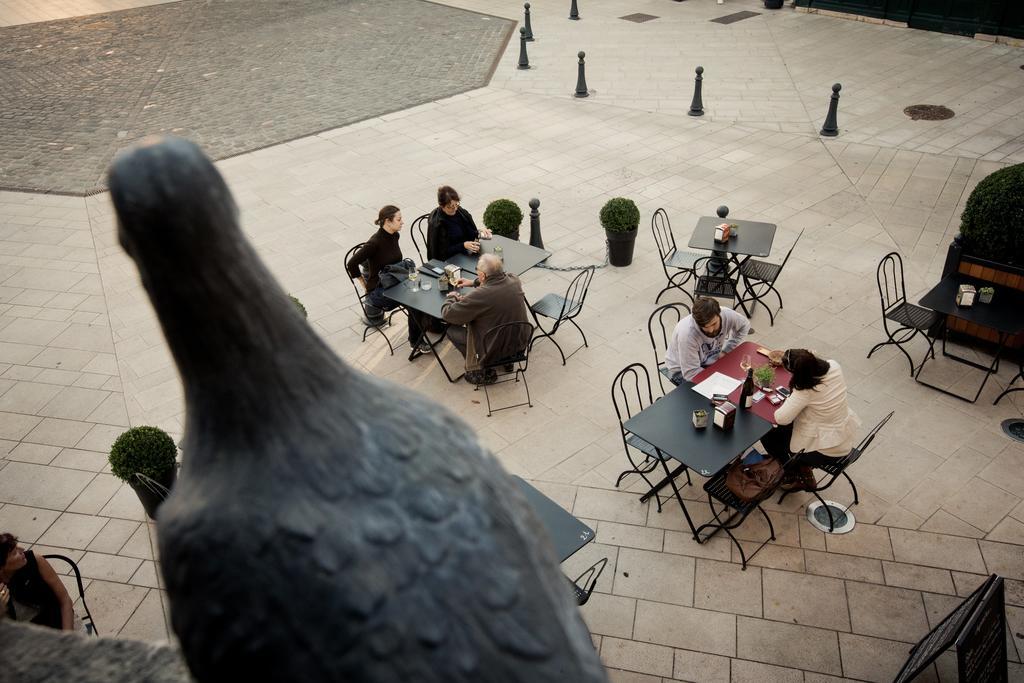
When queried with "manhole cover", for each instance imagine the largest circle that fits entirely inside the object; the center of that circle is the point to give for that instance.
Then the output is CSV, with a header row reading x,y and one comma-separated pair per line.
x,y
1014,429
639,17
733,18
842,520
928,112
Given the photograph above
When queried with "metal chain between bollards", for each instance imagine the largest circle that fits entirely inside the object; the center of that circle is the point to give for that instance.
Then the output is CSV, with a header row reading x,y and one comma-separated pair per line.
x,y
537,241
566,269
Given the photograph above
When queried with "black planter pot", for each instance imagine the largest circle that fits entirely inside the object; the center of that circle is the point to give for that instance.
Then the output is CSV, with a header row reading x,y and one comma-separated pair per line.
x,y
514,235
151,495
773,4
620,247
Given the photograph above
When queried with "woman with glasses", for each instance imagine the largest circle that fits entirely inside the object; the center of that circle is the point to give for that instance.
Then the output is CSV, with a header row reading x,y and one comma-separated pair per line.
x,y
450,228
815,423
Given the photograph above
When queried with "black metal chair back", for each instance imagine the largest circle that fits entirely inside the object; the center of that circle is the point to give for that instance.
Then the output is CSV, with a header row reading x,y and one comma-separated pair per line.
x,y
419,236
360,292
631,393
660,325
575,295
663,237
892,289
90,625
519,358
859,449
788,254
585,583
499,335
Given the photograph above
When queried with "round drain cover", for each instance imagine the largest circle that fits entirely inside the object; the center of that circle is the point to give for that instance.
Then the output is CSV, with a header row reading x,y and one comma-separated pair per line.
x,y
1014,429
928,112
842,518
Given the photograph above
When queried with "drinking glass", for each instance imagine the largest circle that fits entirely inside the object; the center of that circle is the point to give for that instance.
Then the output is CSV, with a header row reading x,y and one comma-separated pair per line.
x,y
414,279
745,362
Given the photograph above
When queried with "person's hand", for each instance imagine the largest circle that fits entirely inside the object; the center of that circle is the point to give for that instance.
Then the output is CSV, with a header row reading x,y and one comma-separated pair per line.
x,y
472,247
5,596
454,296
485,233
362,281
463,282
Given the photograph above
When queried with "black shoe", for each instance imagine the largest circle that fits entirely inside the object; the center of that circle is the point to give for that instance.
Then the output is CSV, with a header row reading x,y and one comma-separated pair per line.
x,y
508,367
423,346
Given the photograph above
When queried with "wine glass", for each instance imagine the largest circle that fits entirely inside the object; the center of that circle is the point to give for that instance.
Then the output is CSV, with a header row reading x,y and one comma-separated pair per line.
x,y
745,362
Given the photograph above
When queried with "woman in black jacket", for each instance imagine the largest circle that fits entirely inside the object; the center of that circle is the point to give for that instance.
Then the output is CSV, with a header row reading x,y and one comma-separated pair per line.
x,y
451,229
31,589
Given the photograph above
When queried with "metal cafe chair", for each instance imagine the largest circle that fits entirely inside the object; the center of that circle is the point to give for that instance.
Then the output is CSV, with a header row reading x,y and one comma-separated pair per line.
x,y
667,317
90,625
518,361
419,235
684,264
834,469
370,325
631,393
716,287
737,511
583,586
759,278
563,309
911,319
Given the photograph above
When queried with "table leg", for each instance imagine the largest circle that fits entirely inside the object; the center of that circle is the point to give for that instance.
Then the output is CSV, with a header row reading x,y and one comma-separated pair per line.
x,y
663,483
675,491
416,353
739,273
965,361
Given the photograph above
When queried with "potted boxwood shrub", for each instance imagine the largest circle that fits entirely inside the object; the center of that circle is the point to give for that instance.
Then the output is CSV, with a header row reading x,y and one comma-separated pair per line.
x,y
620,219
145,458
503,217
992,223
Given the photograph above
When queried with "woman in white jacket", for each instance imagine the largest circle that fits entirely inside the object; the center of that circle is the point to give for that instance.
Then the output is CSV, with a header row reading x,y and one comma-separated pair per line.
x,y
815,424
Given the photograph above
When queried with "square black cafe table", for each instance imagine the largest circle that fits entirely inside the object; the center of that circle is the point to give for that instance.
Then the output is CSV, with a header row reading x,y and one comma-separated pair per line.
x,y
518,257
567,533
667,424
754,239
426,302
1004,314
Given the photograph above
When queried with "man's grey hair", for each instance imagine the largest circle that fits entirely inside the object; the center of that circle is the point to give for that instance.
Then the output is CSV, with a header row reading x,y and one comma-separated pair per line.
x,y
490,264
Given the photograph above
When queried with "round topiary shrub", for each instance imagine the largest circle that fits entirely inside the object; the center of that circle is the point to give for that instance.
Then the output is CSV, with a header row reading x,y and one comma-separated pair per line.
x,y
620,215
143,450
992,223
503,217
298,306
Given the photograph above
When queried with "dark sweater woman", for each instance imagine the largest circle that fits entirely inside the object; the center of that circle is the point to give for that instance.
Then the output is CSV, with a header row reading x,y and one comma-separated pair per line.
x,y
451,229
31,589
381,250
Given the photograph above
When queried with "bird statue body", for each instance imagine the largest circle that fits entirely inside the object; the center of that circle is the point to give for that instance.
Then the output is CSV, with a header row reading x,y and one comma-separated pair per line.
x,y
326,525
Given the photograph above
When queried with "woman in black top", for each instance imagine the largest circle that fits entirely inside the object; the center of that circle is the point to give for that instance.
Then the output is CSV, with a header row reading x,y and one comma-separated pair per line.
x,y
33,591
382,250
450,228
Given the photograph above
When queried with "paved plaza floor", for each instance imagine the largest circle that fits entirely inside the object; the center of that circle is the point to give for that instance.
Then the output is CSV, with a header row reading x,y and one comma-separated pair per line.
x,y
942,490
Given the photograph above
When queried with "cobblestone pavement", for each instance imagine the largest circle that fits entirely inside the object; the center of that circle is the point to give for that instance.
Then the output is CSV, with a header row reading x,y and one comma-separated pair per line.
x,y
234,76
941,489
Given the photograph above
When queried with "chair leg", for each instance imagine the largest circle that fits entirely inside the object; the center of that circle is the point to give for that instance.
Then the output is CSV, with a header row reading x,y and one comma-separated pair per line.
x,y
582,334
672,284
899,345
547,335
828,510
771,527
856,499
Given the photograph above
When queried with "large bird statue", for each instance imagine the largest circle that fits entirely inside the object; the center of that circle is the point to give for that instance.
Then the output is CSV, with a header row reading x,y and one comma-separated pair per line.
x,y
326,525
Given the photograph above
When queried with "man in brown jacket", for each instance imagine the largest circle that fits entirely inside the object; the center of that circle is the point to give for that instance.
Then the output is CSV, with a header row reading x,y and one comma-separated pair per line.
x,y
497,300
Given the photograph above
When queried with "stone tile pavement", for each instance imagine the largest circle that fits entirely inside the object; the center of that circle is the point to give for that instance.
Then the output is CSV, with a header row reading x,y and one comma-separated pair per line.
x,y
941,489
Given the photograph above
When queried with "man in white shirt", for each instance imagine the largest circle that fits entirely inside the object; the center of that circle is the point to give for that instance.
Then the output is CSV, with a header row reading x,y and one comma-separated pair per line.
x,y
701,337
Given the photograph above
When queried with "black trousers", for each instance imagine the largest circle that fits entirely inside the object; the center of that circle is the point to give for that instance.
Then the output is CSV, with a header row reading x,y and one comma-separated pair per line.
x,y
776,443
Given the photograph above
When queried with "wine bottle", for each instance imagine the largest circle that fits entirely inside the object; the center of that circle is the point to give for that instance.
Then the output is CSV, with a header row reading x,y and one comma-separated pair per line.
x,y
747,395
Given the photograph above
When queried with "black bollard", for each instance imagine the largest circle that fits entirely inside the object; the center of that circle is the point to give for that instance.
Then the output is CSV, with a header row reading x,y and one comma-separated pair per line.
x,y
574,12
697,105
524,60
526,22
831,127
581,79
535,238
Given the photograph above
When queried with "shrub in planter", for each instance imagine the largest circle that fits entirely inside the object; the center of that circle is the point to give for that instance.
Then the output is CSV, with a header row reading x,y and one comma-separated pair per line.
x,y
149,452
298,306
503,217
992,223
620,218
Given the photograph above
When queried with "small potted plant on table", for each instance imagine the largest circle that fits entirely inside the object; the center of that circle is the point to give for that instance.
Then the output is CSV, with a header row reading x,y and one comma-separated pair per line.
x,y
620,219
763,376
145,458
985,294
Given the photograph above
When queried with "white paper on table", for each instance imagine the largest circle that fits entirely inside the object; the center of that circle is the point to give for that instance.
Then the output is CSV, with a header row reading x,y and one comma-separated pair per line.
x,y
717,383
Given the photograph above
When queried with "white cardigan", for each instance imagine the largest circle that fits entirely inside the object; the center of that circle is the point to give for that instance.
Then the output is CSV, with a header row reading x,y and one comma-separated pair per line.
x,y
822,419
